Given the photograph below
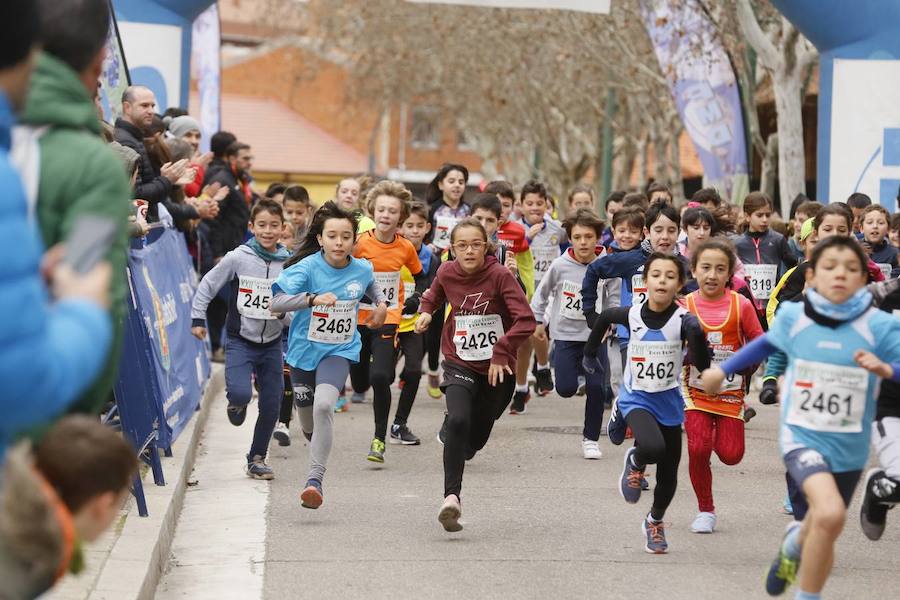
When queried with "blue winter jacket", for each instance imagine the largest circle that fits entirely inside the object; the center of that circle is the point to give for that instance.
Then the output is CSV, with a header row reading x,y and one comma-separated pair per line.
x,y
49,353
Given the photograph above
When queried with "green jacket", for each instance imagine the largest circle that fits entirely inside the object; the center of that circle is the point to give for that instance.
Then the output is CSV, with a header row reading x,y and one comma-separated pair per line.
x,y
79,175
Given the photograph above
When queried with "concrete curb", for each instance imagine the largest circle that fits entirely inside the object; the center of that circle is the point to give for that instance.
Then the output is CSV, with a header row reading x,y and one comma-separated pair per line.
x,y
137,552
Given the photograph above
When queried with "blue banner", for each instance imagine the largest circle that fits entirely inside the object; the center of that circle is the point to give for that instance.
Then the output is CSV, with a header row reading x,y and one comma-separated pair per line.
x,y
704,89
163,283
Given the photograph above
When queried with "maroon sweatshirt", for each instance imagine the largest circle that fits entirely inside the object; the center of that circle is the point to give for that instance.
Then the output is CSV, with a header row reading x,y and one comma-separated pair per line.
x,y
480,303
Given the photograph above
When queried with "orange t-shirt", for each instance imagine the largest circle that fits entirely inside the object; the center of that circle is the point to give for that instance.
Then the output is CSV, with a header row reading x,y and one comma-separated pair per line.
x,y
387,259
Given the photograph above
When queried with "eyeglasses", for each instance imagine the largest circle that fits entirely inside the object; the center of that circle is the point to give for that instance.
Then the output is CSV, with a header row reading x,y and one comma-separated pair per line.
x,y
477,246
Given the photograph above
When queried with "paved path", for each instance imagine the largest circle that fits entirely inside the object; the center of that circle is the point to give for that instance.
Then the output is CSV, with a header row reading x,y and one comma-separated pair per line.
x,y
540,521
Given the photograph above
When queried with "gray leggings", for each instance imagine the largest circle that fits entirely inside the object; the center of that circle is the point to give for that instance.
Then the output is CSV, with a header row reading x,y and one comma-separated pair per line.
x,y
316,408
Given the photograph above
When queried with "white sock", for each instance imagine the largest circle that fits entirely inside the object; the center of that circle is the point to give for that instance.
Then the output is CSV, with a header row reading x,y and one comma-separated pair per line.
x,y
543,366
522,388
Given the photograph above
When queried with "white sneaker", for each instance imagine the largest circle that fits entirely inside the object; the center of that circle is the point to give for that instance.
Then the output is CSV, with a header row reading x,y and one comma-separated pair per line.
x,y
705,522
591,449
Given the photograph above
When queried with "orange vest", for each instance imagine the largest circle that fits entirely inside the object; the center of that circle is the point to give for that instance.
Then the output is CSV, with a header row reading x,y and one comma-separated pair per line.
x,y
723,339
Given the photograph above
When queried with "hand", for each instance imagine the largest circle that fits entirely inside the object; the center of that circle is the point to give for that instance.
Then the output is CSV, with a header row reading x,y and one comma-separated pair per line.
x,y
207,209
411,305
540,333
325,300
174,171
873,364
423,322
769,392
199,332
511,263
92,286
711,379
211,190
187,177
535,229
52,259
591,364
495,373
378,316
203,160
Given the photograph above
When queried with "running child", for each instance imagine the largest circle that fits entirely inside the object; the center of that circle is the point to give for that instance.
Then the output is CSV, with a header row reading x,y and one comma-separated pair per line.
x,y
874,221
489,319
833,340
388,202
613,205
765,253
806,210
581,197
650,396
325,278
253,344
570,332
296,212
511,234
715,423
445,202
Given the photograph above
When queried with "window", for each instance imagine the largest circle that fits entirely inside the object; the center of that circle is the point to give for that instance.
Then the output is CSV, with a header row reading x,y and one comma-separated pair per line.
x,y
425,127
463,141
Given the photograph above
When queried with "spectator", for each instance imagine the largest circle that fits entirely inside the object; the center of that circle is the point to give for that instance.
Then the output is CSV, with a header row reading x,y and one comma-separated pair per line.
x,y
138,105
186,128
67,490
229,229
79,175
130,160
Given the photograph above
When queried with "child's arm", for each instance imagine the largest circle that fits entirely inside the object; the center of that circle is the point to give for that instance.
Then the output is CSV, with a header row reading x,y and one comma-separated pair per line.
x,y
592,277
787,256
540,300
753,353
610,316
209,286
692,333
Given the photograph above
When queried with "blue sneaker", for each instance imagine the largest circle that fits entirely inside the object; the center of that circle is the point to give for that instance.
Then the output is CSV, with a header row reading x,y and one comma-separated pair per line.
x,y
616,426
630,481
656,537
258,469
311,496
783,570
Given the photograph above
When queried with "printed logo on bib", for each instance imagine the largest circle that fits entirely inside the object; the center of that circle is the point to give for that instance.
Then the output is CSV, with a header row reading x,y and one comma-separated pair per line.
x,y
654,365
826,397
443,226
570,301
475,336
543,257
763,279
333,324
885,270
638,290
255,297
732,383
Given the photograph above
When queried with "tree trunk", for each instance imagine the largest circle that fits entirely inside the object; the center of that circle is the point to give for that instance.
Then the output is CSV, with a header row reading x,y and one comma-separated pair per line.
x,y
767,167
642,147
791,155
676,180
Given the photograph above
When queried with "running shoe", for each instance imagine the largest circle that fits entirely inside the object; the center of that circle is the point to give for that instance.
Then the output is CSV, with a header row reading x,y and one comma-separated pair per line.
x,y
786,507
258,469
518,403
704,522
616,426
656,537
236,414
873,512
218,355
450,513
442,434
311,496
591,449
358,398
376,451
783,571
630,480
582,386
769,392
341,406
434,385
400,434
282,434
544,383
645,485
749,413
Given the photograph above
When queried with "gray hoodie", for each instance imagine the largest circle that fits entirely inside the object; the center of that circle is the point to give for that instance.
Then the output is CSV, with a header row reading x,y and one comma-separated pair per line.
x,y
249,296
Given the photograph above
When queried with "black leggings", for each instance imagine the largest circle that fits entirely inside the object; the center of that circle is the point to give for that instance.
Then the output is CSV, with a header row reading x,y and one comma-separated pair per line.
x,y
660,445
376,368
433,339
472,408
412,346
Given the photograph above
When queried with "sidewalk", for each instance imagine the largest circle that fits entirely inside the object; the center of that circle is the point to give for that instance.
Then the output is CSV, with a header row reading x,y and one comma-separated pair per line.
x,y
127,561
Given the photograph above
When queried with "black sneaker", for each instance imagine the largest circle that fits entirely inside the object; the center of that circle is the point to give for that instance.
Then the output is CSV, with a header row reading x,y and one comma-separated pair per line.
x,y
544,383
518,403
749,413
442,434
400,434
873,512
236,414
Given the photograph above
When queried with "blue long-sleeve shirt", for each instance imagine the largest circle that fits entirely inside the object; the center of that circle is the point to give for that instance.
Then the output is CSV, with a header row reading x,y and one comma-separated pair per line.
x,y
49,353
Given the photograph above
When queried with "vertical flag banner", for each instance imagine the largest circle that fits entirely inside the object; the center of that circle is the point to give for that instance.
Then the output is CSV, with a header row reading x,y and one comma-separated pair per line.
x,y
114,77
206,68
704,88
591,6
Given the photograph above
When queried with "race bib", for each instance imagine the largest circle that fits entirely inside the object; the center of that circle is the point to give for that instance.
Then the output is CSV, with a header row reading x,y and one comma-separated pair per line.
x,y
333,324
763,279
732,383
443,226
390,287
638,290
570,301
655,365
475,336
826,397
885,270
255,297
543,257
